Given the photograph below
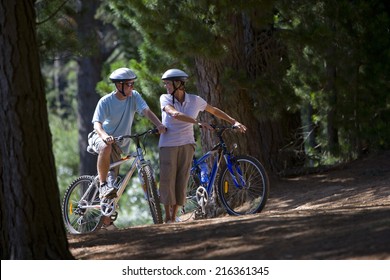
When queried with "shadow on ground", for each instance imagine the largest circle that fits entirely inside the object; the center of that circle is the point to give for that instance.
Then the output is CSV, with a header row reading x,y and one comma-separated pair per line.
x,y
342,213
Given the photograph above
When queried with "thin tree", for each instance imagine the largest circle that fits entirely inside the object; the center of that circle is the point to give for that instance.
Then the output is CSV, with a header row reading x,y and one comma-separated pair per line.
x,y
99,41
31,223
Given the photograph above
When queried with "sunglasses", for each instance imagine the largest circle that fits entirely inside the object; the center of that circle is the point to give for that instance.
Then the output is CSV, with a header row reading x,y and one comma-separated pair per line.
x,y
129,84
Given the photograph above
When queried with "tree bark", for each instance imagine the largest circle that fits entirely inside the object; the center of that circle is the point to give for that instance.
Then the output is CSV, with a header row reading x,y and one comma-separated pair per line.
x,y
330,89
266,136
31,220
90,68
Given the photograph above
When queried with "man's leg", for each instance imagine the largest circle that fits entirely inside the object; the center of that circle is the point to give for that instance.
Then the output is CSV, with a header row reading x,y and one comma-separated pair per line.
x,y
103,165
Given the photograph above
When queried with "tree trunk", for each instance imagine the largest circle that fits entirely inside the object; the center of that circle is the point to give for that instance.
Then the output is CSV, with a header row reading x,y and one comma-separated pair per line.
x,y
90,67
87,101
332,131
265,137
31,221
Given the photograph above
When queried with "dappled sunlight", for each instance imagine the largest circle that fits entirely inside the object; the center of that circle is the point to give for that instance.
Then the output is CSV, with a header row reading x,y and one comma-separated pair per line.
x,y
343,214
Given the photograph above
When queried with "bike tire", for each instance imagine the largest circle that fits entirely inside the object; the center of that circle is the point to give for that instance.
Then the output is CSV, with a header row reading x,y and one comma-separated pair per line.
x,y
152,194
250,199
76,218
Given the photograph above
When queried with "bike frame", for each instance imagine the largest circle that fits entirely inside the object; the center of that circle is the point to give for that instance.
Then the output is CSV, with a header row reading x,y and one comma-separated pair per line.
x,y
214,169
83,207
242,186
218,151
138,162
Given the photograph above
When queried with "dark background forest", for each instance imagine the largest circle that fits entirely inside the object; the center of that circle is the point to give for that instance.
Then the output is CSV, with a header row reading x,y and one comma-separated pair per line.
x,y
310,80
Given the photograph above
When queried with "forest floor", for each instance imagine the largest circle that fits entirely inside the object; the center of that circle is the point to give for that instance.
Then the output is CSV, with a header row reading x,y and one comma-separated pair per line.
x,y
340,213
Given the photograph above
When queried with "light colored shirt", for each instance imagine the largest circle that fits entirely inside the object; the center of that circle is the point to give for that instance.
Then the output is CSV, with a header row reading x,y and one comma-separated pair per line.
x,y
178,132
117,115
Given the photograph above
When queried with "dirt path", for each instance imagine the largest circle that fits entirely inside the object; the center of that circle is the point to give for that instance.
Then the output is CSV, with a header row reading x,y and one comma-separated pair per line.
x,y
343,213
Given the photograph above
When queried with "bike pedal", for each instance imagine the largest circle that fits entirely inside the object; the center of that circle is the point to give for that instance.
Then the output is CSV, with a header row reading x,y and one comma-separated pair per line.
x,y
114,216
199,215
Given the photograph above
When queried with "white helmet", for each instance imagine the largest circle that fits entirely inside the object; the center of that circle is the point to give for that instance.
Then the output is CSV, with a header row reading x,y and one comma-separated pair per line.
x,y
122,74
175,75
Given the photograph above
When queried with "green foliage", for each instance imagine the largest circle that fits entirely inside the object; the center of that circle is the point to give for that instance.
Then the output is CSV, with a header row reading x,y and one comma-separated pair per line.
x,y
64,135
133,207
56,28
62,105
176,33
328,49
335,37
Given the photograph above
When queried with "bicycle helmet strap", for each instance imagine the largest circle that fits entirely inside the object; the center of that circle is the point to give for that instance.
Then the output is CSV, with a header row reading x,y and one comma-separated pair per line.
x,y
123,89
175,89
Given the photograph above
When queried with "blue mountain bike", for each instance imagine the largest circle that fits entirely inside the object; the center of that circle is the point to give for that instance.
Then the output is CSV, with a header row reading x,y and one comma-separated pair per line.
x,y
241,182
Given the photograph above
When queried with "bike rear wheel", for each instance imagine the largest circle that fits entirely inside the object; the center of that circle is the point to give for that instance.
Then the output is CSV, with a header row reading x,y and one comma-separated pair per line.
x,y
152,194
81,206
251,196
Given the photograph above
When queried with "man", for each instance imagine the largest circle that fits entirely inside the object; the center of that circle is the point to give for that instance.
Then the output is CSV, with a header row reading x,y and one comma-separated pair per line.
x,y
114,115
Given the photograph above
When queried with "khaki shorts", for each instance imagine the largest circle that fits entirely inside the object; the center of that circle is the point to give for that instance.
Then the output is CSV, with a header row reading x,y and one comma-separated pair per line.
x,y
175,166
95,144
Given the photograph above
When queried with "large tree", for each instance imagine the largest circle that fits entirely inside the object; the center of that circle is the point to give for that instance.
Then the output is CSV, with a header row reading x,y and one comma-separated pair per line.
x,y
31,222
233,54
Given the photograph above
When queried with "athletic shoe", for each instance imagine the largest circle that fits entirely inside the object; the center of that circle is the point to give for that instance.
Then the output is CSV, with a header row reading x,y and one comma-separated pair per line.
x,y
107,191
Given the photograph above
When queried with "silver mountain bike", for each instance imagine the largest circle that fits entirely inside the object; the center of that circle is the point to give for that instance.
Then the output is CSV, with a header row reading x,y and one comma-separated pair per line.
x,y
83,210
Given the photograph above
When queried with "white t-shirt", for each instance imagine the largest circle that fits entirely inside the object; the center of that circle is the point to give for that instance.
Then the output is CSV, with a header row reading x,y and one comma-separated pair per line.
x,y
180,133
117,115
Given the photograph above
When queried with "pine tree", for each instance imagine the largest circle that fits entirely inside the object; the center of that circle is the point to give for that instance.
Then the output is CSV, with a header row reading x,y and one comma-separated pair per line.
x,y
236,60
31,221
340,63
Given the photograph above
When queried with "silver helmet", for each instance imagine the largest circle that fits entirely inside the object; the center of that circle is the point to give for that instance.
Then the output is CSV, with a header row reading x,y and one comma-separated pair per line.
x,y
175,75
122,74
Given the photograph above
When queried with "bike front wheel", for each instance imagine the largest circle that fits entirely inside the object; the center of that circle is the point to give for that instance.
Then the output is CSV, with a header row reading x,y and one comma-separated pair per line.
x,y
152,194
191,205
81,206
244,188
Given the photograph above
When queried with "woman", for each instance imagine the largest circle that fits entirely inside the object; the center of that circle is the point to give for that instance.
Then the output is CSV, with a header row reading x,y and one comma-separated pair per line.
x,y
177,146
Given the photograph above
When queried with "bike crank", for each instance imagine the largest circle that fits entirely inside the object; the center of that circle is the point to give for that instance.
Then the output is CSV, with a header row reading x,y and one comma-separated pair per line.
x,y
202,198
107,206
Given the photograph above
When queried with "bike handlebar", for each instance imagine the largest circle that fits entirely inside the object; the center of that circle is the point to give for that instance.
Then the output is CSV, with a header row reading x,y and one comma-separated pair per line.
x,y
149,131
220,129
223,126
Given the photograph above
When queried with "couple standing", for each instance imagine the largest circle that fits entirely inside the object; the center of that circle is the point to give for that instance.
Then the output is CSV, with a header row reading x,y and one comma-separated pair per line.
x,y
114,116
